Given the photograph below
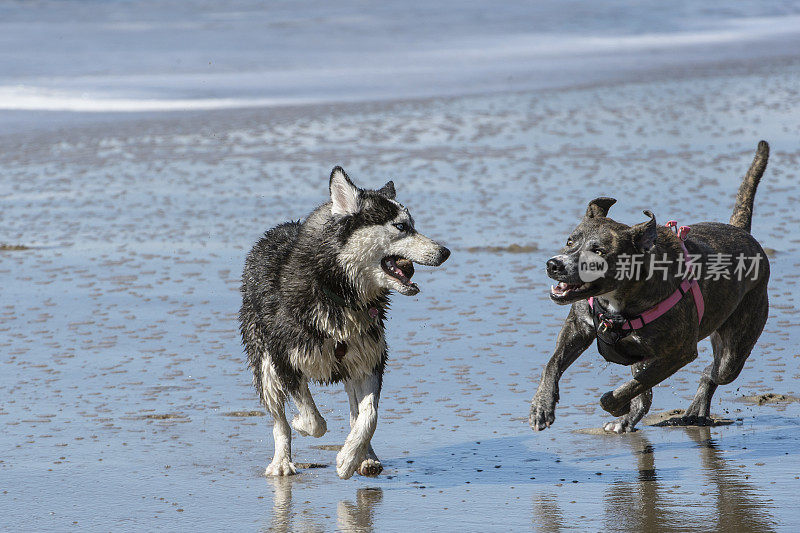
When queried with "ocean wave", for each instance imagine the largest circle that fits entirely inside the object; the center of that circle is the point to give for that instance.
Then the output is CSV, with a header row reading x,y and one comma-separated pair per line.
x,y
452,65
23,98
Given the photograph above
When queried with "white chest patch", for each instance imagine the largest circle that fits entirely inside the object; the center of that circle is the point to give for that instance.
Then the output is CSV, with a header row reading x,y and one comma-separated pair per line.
x,y
361,355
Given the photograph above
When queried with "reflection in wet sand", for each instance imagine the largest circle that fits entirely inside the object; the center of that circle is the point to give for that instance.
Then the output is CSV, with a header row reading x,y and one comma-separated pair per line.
x,y
644,505
359,517
351,517
284,517
637,505
738,507
282,504
547,513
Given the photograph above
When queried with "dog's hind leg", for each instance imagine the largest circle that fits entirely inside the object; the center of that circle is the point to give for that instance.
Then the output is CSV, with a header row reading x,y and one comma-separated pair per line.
x,y
274,398
308,421
700,408
357,453
732,343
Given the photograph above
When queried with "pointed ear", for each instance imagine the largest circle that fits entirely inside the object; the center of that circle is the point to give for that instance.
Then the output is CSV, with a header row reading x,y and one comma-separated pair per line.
x,y
644,235
599,207
345,197
388,190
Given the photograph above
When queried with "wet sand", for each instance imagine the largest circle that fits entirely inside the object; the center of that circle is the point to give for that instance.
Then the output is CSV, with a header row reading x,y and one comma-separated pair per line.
x,y
127,404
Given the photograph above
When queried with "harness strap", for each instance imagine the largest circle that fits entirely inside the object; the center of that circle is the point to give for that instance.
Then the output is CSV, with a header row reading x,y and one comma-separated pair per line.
x,y
693,286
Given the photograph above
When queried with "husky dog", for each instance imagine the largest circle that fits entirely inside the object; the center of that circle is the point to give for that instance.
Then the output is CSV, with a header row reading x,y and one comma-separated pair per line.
x,y
654,322
315,295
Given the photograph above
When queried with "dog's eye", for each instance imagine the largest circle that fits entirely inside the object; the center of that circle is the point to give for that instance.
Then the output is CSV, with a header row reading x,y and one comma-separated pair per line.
x,y
570,242
401,226
598,251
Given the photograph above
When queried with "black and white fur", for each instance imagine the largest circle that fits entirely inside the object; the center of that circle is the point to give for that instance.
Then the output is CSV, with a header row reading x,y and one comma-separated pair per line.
x,y
311,286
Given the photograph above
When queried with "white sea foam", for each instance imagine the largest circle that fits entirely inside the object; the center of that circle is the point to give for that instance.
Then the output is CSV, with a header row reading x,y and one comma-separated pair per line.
x,y
40,99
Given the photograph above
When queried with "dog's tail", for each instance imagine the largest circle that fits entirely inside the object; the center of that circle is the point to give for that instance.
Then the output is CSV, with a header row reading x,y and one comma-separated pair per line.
x,y
743,210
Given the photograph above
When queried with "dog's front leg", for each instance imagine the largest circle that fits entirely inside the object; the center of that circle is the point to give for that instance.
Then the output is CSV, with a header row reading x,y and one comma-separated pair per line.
x,y
618,401
576,335
274,398
281,464
371,465
639,406
308,421
354,452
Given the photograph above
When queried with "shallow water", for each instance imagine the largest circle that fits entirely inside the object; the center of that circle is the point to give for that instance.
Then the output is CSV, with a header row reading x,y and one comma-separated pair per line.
x,y
150,55
122,364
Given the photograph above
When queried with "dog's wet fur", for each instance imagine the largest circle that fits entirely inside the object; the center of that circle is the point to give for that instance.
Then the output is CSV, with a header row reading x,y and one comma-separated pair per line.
x,y
735,310
314,300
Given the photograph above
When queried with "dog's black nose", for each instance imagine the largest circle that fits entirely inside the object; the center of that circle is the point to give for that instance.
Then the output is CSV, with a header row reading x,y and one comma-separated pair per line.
x,y
444,253
555,266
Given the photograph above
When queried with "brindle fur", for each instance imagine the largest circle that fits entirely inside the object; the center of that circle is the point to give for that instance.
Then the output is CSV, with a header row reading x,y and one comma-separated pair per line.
x,y
735,311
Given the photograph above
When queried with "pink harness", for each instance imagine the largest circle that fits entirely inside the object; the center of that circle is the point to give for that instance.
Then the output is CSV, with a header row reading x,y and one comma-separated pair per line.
x,y
686,286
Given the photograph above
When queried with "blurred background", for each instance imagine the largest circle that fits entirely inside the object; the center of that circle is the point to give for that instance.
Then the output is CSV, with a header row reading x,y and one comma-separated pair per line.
x,y
145,55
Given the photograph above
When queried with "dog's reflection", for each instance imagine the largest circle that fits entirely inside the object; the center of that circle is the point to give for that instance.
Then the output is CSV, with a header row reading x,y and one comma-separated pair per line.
x,y
359,516
637,505
738,505
356,517
547,513
281,503
645,504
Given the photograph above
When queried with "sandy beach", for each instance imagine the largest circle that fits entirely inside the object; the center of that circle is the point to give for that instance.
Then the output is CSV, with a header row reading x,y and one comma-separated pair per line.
x,y
127,403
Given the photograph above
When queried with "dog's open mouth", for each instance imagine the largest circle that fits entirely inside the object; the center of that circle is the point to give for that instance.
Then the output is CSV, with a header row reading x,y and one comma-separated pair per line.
x,y
399,268
568,290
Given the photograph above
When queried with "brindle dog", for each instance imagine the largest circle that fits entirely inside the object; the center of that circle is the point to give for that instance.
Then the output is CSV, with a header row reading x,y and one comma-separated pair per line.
x,y
735,309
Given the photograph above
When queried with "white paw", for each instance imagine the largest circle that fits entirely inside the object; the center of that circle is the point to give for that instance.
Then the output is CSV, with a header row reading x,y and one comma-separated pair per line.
x,y
346,463
370,467
281,467
617,427
310,426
